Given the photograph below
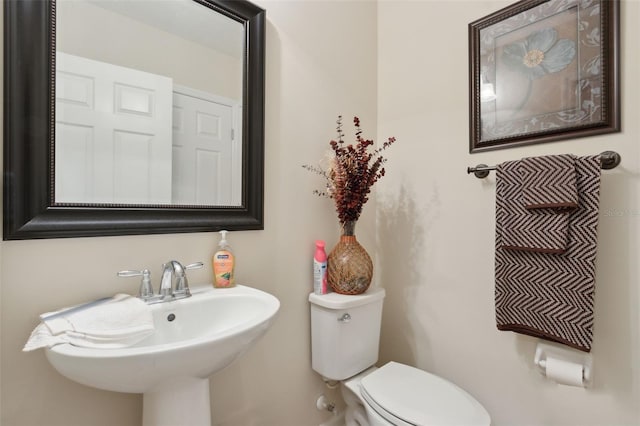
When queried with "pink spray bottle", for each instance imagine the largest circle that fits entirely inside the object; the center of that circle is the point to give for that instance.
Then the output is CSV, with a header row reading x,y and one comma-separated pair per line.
x,y
320,285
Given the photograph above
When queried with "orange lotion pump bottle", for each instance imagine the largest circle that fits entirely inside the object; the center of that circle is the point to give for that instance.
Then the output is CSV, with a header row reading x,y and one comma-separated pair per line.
x,y
223,264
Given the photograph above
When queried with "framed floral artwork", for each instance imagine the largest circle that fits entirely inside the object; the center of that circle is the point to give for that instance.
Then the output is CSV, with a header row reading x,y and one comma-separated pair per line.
x,y
543,71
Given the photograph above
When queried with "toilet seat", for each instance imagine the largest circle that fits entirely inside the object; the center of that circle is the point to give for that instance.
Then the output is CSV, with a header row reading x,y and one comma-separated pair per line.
x,y
405,395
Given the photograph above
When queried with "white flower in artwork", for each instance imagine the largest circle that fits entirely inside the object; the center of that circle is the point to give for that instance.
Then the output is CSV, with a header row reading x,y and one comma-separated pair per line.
x,y
540,54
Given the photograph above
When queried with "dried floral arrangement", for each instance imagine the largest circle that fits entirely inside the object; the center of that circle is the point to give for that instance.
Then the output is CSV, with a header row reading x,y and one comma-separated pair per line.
x,y
351,173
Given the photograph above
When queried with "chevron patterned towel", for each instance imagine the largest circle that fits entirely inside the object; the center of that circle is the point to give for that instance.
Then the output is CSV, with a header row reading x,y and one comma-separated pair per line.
x,y
550,295
541,229
549,181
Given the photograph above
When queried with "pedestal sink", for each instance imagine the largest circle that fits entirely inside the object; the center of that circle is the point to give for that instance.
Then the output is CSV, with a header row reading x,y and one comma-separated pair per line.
x,y
194,338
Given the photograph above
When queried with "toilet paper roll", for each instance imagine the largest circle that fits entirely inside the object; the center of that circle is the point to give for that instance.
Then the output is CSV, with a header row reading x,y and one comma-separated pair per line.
x,y
564,372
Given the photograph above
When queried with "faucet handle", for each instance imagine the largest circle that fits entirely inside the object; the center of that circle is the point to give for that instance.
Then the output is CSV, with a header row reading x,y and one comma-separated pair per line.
x,y
196,265
146,290
182,283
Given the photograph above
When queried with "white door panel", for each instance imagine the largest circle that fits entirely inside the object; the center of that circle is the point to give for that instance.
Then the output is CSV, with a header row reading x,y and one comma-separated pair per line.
x,y
128,150
203,149
77,150
208,181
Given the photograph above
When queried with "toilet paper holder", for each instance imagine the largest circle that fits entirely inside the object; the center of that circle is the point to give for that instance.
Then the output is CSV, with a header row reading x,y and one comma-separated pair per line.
x,y
544,350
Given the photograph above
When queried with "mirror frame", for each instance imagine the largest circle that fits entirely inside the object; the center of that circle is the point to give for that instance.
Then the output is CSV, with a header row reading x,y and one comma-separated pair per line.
x,y
29,128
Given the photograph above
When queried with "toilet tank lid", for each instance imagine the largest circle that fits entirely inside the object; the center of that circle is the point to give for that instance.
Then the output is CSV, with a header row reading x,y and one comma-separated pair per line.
x,y
345,301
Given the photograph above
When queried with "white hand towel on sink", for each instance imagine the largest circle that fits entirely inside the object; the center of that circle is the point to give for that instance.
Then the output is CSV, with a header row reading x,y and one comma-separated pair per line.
x,y
118,322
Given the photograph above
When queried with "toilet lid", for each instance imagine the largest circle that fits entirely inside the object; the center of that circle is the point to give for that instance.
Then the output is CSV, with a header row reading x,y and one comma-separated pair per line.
x,y
420,398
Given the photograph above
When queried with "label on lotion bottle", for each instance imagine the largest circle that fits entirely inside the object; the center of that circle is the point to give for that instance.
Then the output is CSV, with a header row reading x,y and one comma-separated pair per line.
x,y
223,264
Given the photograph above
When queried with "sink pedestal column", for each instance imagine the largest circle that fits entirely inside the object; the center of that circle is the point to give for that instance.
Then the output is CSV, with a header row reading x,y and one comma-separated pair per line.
x,y
184,401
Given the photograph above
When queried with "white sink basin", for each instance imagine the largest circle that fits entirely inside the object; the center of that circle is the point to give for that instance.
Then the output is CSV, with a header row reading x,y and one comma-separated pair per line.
x,y
194,338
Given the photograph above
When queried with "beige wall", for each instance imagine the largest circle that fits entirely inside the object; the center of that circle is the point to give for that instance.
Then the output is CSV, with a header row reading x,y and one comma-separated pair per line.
x,y
435,234
321,61
436,229
96,33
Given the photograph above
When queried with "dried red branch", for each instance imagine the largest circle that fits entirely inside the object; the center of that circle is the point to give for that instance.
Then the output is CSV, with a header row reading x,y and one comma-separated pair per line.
x,y
353,171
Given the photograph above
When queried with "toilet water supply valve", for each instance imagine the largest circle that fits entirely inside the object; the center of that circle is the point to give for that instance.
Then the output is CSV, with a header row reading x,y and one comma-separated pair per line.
x,y
324,404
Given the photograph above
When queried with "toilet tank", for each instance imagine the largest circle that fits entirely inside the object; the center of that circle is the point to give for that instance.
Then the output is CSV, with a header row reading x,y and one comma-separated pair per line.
x,y
345,332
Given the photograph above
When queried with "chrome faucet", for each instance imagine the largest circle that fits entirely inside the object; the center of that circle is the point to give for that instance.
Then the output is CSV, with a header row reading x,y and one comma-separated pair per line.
x,y
168,291
181,288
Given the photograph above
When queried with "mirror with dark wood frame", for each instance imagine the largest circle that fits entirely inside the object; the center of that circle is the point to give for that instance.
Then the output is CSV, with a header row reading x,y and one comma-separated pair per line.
x,y
31,207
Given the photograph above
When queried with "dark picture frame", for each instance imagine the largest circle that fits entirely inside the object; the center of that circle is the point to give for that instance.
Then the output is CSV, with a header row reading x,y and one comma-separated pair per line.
x,y
543,71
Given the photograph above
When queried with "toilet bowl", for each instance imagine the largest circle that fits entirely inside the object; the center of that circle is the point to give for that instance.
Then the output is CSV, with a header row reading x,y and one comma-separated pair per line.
x,y
399,395
345,335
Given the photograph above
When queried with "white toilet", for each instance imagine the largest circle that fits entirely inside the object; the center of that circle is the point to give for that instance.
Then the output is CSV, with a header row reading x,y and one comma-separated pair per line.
x,y
345,334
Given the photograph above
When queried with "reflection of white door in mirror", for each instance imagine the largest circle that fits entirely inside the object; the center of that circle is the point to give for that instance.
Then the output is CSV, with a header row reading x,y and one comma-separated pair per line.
x,y
200,49
124,136
113,134
205,160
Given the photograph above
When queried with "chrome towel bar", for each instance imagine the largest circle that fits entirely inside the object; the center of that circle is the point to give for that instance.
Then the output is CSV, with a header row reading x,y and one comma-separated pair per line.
x,y
608,159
